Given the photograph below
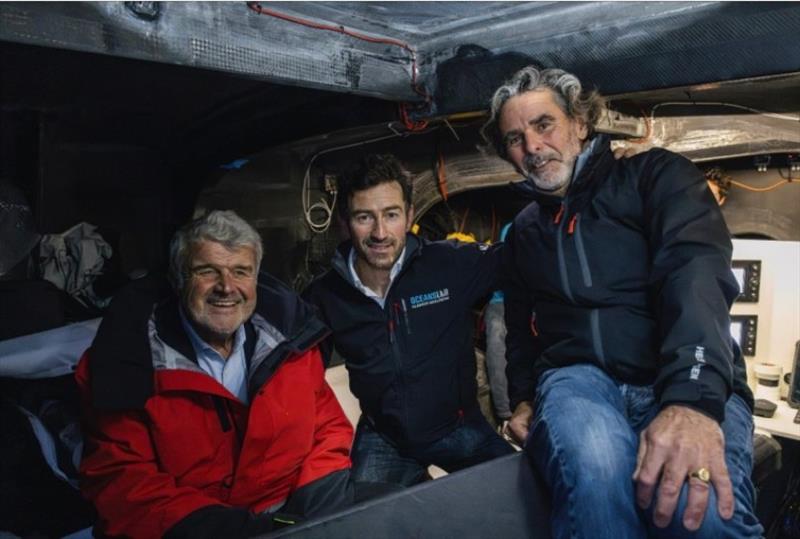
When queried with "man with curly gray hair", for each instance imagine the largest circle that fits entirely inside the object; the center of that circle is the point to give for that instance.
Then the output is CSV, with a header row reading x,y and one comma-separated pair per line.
x,y
628,391
549,169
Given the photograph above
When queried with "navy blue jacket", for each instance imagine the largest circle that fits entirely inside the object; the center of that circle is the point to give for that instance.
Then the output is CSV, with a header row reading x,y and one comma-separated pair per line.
x,y
411,364
630,271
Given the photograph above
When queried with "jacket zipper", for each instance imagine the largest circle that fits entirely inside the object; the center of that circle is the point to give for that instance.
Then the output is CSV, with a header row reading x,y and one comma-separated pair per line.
x,y
594,314
405,316
562,265
228,423
391,324
393,308
587,275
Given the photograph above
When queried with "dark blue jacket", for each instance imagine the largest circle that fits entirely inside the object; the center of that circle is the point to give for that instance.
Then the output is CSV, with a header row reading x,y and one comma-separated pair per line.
x,y
411,364
629,272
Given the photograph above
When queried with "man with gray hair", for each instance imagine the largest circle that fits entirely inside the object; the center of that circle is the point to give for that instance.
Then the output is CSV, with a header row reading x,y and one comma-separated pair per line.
x,y
627,389
206,412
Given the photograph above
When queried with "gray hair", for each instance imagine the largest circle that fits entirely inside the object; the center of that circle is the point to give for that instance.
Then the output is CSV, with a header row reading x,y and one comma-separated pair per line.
x,y
224,227
567,90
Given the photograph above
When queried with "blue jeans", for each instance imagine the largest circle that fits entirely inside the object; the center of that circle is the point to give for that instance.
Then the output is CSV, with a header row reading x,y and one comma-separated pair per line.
x,y
584,439
377,460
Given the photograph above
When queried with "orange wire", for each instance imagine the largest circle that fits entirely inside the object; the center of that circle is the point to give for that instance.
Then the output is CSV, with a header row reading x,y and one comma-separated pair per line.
x,y
441,177
410,124
340,29
761,189
255,6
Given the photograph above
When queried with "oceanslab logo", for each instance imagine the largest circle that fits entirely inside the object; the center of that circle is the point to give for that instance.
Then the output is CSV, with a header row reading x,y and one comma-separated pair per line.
x,y
429,298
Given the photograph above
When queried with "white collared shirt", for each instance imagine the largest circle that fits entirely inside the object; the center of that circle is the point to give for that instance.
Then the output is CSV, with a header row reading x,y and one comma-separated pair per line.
x,y
231,372
380,300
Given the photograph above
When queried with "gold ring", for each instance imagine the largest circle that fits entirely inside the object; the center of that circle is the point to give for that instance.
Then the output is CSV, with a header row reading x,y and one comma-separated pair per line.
x,y
702,474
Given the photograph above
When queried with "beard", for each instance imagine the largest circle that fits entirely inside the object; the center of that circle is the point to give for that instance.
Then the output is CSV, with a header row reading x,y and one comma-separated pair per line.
x,y
549,173
380,260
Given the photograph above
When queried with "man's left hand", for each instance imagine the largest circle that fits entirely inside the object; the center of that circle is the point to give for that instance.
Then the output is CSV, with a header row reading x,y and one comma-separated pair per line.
x,y
678,442
624,152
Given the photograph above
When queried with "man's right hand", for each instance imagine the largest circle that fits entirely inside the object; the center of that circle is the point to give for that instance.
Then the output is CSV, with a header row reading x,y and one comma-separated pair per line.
x,y
517,427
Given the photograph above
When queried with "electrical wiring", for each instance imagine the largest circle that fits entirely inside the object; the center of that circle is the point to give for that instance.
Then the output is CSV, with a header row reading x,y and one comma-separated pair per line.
x,y
441,176
479,114
256,6
411,125
760,189
452,131
322,204
725,182
774,115
464,221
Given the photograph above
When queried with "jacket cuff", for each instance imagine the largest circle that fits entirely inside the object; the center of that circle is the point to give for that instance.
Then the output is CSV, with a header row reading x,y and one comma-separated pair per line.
x,y
514,402
325,495
708,398
215,521
527,394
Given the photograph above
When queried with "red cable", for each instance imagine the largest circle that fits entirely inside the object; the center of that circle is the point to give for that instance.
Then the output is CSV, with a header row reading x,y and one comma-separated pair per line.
x,y
255,6
411,125
441,177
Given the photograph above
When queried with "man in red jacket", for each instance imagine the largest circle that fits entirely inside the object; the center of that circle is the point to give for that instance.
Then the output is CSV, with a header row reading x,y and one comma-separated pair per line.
x,y
206,413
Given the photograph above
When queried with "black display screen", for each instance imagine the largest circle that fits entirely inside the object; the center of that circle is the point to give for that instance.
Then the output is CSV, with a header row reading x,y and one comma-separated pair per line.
x,y
748,276
744,330
794,385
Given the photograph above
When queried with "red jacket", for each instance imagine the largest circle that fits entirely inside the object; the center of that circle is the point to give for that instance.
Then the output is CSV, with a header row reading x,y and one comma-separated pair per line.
x,y
191,444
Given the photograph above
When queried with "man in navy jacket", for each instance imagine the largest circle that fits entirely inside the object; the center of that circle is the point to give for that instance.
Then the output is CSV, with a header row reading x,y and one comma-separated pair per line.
x,y
399,310
625,383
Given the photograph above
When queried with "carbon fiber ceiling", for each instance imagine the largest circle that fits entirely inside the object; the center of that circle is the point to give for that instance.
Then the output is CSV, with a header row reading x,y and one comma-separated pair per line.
x,y
453,52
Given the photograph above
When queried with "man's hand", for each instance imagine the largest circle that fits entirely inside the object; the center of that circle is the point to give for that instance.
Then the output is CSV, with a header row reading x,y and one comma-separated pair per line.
x,y
624,152
517,426
678,442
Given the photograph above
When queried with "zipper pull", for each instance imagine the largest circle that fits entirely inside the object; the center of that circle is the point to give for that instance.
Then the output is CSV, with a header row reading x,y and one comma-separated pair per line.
x,y
557,218
405,316
394,321
534,328
571,227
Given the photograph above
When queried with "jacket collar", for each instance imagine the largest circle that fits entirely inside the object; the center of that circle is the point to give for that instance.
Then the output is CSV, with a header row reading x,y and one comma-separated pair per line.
x,y
121,364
